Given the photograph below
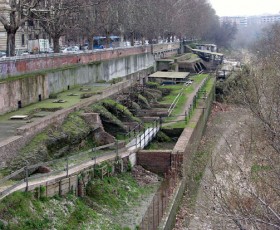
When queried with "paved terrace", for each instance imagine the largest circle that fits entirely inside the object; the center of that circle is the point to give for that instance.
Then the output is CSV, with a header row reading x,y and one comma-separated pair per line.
x,y
8,126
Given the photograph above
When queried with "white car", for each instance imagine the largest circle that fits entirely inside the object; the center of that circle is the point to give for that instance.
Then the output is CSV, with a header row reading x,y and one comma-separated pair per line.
x,y
2,54
71,49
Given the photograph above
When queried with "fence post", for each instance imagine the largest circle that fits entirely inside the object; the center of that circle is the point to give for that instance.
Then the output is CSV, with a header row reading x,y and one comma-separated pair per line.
x,y
94,149
67,166
154,129
117,148
144,137
26,177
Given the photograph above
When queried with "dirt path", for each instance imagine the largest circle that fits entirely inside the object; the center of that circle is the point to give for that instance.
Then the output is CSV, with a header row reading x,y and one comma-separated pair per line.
x,y
223,140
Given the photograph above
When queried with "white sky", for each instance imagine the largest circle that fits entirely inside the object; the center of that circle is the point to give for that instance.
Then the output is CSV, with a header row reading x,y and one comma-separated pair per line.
x,y
245,7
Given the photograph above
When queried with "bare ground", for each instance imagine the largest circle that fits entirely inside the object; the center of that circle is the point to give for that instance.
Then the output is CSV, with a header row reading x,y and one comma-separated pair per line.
x,y
226,132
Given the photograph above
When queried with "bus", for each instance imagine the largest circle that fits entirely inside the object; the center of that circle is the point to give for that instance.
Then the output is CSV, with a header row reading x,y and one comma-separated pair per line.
x,y
99,42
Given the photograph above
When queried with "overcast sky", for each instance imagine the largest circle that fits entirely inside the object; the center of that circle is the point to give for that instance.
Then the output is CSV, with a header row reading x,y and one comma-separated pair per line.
x,y
245,7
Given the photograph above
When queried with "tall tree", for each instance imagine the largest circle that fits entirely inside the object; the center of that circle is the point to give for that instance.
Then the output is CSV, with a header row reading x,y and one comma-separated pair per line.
x,y
13,18
88,20
56,16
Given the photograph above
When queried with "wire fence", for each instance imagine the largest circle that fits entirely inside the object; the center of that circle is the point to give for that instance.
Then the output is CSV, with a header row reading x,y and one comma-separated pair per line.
x,y
157,209
200,94
61,167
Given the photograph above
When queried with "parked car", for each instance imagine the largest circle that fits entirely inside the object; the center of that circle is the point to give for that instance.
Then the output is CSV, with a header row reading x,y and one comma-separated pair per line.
x,y
137,43
50,50
2,54
24,53
127,43
71,49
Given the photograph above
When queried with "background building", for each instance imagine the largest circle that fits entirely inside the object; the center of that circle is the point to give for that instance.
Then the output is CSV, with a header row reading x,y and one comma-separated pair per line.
x,y
244,21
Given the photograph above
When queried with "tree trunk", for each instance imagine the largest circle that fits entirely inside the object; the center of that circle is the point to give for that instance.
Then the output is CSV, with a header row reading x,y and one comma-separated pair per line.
x,y
132,38
168,37
11,43
56,45
90,43
108,40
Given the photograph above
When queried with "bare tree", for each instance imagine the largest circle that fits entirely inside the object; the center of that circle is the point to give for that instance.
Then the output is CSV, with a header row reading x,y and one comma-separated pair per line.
x,y
56,16
252,193
88,21
13,18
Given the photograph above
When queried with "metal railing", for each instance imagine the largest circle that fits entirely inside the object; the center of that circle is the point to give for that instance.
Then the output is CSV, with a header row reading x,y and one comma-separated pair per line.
x,y
61,167
160,201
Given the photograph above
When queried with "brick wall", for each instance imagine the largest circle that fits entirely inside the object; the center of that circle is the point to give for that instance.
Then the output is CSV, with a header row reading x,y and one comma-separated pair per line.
x,y
157,161
20,65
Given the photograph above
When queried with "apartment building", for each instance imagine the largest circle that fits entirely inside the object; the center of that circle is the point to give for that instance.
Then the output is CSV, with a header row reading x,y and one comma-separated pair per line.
x,y
244,21
237,20
29,31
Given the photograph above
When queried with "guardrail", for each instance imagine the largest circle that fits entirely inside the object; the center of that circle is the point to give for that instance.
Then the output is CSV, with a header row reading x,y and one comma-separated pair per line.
x,y
192,106
174,103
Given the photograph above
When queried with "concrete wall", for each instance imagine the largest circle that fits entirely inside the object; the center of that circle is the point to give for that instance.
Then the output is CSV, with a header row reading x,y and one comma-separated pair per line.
x,y
28,88
19,65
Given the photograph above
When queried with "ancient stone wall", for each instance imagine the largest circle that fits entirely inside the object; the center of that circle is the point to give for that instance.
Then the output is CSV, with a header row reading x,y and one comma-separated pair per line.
x,y
9,148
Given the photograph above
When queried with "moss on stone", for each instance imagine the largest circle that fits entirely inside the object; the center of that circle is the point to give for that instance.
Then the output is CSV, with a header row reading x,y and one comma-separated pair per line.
x,y
143,102
107,116
119,110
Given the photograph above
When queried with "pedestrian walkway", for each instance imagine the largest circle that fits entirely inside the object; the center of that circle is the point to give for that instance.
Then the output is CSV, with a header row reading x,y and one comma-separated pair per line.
x,y
189,103
140,141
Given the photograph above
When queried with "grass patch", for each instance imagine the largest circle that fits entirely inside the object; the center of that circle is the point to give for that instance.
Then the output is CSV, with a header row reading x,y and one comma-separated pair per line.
x,y
106,199
260,168
71,97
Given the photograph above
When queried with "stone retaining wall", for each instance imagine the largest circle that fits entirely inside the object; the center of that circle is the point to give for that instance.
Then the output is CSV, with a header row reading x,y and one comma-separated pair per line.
x,y
19,65
29,88
186,146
